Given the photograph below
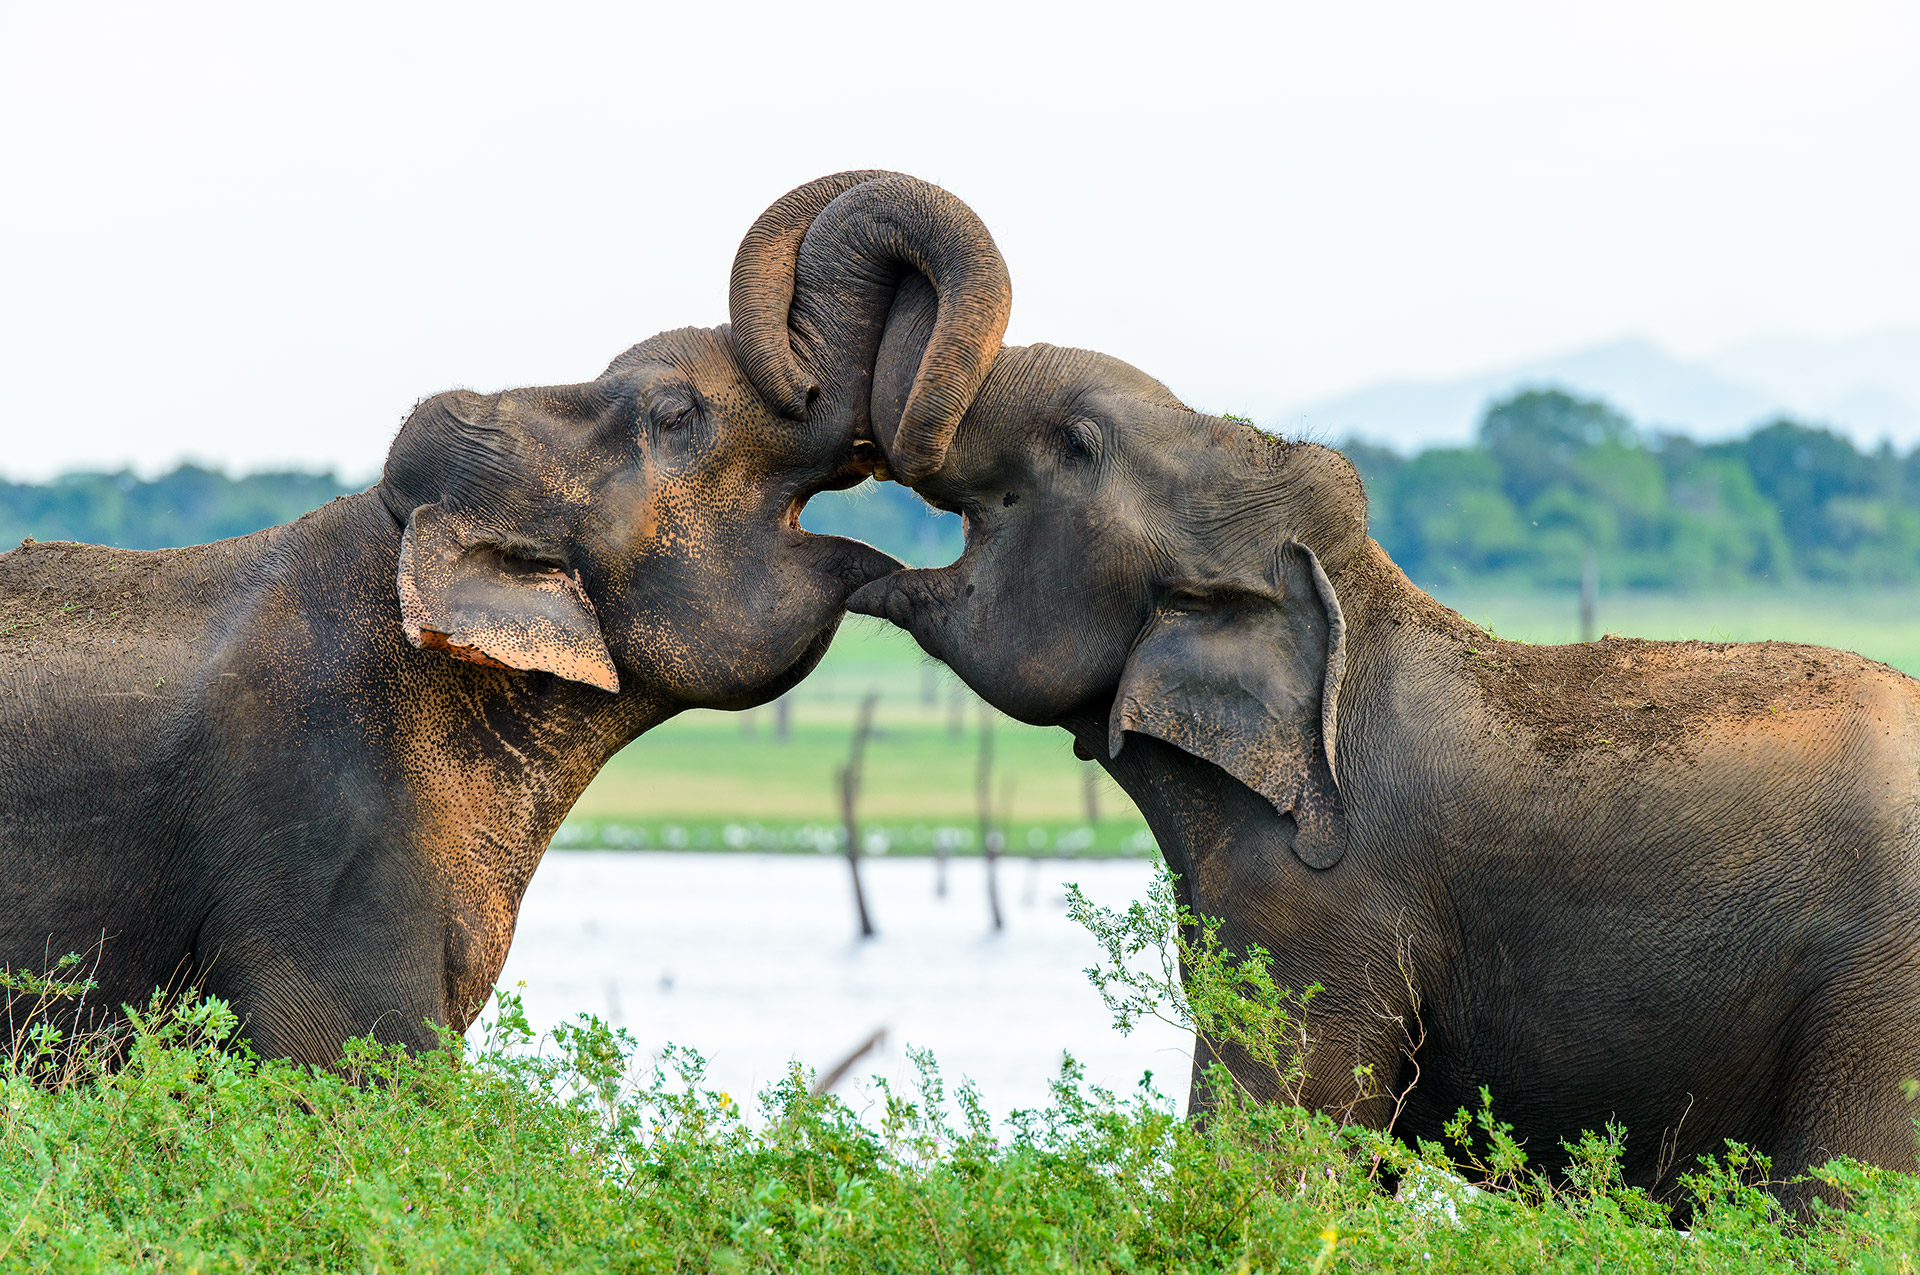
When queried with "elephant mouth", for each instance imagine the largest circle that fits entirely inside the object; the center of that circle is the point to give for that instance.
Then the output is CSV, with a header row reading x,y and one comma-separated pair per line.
x,y
863,460
847,563
922,600
919,601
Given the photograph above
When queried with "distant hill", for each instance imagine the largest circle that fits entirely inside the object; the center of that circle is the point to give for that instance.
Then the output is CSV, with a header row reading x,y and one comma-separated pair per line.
x,y
1867,388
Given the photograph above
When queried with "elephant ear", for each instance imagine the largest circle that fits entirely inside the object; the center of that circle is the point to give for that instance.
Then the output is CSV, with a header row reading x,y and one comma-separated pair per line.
x,y
1248,678
475,598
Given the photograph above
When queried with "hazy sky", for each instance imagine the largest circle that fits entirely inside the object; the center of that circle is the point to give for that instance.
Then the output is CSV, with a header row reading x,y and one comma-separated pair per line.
x,y
256,234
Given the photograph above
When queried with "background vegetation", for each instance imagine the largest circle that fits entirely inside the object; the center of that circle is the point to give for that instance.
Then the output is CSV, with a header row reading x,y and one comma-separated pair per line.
x,y
1552,475
1790,533
189,506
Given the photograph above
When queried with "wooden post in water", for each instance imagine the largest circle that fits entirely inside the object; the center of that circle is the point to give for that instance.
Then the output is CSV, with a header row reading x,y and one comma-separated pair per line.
x,y
1093,796
991,838
1003,829
850,802
1589,592
957,710
783,718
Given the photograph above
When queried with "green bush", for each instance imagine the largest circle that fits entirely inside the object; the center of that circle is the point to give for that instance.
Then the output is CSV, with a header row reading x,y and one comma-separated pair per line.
x,y
168,1146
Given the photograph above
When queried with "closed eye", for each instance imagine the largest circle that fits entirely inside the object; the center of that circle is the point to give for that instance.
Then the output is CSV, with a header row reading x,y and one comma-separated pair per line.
x,y
672,411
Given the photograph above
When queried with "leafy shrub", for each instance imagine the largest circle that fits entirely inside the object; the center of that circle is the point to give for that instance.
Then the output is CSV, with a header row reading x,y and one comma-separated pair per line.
x,y
172,1146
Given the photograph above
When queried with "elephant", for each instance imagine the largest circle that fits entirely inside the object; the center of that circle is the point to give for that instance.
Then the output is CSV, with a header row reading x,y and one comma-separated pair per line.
x,y
312,770
1674,885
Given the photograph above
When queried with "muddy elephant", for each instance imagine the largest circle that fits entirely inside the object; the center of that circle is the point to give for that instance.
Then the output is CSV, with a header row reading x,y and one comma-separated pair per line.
x,y
311,770
1670,884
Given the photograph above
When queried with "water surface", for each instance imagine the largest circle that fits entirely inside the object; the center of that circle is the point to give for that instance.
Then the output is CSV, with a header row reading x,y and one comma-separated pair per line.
x,y
752,959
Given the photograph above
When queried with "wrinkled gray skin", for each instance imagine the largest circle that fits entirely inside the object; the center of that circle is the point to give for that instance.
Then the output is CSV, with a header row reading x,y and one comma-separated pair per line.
x,y
312,770
1673,885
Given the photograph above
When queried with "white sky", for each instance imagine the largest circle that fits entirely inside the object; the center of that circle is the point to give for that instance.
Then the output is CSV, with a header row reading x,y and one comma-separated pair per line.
x,y
256,234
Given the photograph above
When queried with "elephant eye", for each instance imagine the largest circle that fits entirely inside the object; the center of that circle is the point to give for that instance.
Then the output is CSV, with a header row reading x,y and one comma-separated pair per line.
x,y
1077,440
672,413
1185,599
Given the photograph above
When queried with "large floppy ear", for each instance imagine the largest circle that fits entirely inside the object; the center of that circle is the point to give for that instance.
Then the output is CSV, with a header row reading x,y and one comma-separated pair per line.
x,y
475,598
1248,678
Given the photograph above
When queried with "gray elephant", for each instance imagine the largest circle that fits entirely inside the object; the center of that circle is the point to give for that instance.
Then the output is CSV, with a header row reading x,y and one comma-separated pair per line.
x,y
312,770
1670,884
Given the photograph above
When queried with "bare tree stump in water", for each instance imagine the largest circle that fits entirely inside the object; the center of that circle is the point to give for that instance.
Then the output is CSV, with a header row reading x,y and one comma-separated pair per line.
x,y
1589,592
992,840
850,802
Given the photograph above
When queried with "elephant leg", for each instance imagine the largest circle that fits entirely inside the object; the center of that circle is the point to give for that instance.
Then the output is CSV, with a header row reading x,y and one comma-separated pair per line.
x,y
1355,1069
301,995
308,1020
1844,1097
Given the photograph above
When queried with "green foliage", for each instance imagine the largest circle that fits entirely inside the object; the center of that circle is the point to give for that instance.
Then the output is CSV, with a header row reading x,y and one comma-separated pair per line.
x,y
189,506
1162,962
193,1154
1553,475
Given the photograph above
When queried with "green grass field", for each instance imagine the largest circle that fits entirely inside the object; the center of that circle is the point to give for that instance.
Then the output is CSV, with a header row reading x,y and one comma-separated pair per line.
x,y
1881,624
711,780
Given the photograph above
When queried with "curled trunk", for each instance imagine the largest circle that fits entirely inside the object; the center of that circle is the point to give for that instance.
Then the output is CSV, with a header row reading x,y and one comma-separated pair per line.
x,y
874,248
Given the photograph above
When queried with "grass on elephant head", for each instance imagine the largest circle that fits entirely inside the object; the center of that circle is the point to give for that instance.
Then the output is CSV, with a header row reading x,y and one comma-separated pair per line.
x,y
572,1153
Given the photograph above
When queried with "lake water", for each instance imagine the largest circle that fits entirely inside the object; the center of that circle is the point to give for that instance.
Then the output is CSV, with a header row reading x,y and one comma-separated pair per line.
x,y
753,960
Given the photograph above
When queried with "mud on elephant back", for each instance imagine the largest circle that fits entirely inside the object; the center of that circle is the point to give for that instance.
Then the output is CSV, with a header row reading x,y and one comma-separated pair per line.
x,y
1671,885
311,770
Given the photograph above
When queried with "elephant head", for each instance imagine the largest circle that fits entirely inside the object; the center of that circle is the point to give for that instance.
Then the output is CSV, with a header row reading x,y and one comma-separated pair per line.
x,y
1134,566
641,531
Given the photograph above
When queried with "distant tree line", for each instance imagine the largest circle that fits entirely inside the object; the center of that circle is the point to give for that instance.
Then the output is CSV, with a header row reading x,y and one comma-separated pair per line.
x,y
189,506
193,505
1551,475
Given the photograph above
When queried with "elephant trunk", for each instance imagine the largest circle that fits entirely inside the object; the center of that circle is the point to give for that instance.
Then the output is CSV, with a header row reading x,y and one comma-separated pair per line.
x,y
874,247
760,291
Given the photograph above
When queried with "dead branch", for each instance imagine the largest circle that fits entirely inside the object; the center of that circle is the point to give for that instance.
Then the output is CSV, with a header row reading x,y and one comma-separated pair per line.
x,y
850,803
839,1070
